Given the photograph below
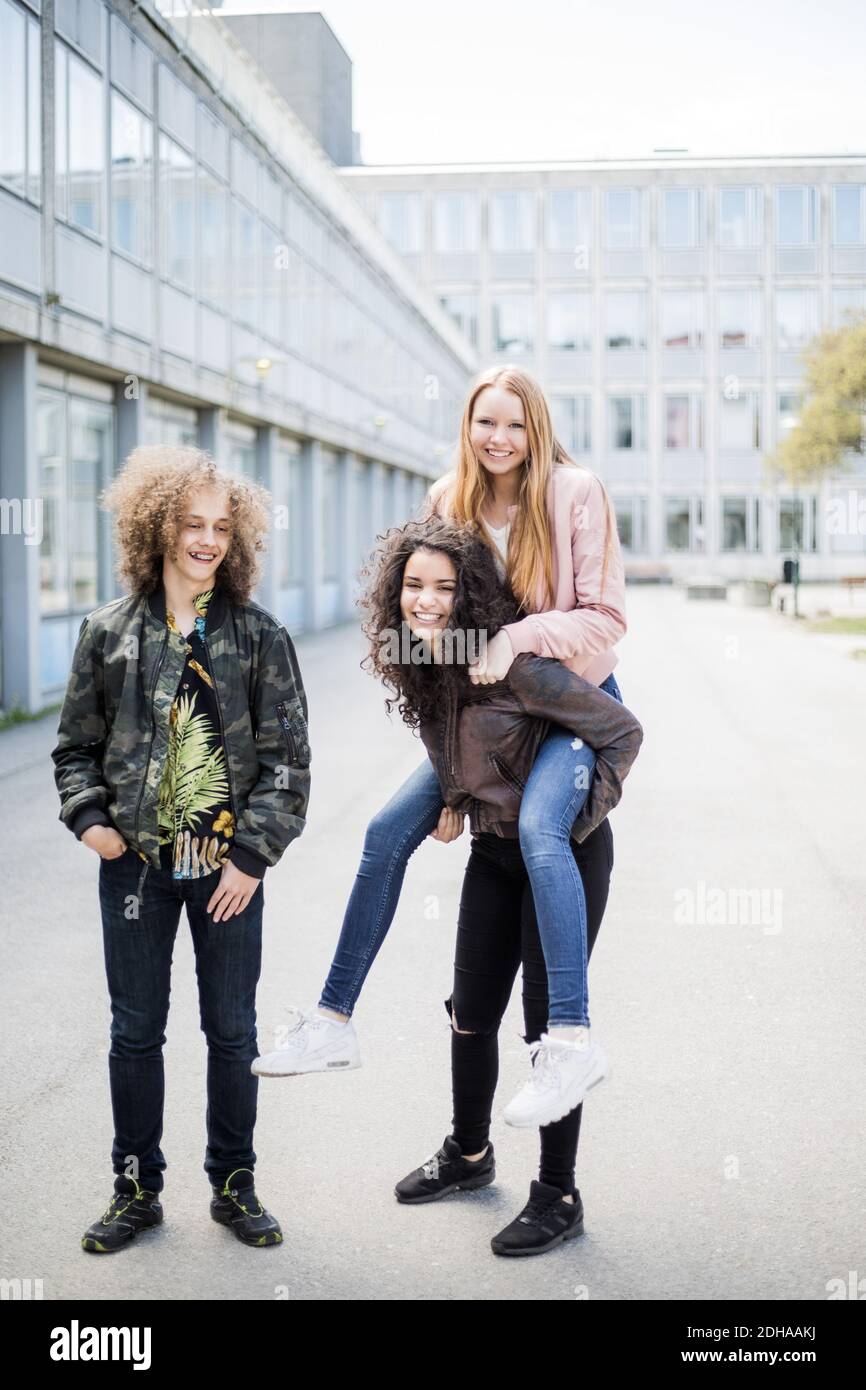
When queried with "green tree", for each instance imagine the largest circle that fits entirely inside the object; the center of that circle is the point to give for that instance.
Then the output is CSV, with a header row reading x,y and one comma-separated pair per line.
x,y
831,421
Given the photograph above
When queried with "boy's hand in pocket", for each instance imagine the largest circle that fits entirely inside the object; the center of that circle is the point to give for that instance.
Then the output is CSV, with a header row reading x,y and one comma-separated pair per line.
x,y
105,840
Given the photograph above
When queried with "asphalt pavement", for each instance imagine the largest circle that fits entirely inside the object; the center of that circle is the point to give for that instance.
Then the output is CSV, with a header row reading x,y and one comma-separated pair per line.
x,y
722,1159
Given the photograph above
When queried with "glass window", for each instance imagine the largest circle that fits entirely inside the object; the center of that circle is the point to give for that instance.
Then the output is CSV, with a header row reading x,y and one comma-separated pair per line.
x,y
677,527
399,216
176,106
213,142
512,323
89,453
34,112
213,229
20,153
20,102
463,309
681,220
740,218
512,221
241,448
53,558
75,448
796,216
569,321
569,219
740,318
798,523
627,421
631,523
168,423
849,214
787,413
684,523
572,422
796,318
13,97
287,488
847,300
80,146
131,176
625,319
244,261
623,218
562,417
741,523
455,222
177,211
272,284
583,423
682,318
740,420
684,422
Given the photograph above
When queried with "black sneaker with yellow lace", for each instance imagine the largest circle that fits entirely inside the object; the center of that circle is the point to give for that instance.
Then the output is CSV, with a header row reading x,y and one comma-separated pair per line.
x,y
235,1204
132,1209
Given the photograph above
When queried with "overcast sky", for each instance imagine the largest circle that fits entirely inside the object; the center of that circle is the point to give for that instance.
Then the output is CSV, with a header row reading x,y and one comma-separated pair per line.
x,y
464,80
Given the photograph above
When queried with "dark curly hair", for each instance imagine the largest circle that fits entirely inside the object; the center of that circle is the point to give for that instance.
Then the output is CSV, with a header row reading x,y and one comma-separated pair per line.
x,y
482,603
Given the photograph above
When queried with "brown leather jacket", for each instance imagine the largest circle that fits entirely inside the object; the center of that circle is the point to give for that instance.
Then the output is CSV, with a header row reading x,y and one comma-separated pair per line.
x,y
484,744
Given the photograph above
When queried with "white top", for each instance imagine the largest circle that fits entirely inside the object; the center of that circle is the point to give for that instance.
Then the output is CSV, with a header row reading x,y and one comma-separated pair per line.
x,y
500,540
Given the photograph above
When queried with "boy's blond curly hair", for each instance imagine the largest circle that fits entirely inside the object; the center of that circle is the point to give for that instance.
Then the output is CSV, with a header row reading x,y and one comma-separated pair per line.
x,y
148,499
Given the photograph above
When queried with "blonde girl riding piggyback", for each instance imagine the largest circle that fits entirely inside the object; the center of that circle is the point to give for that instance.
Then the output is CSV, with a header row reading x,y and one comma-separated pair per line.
x,y
551,527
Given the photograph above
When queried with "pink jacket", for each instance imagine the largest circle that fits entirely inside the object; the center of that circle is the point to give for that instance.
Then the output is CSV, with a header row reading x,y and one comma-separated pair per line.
x,y
585,622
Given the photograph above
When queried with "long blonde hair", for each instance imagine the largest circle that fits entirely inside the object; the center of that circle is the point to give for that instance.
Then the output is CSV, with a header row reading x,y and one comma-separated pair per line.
x,y
530,550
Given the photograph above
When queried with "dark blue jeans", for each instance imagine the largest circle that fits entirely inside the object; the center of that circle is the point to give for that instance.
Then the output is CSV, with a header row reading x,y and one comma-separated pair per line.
x,y
138,929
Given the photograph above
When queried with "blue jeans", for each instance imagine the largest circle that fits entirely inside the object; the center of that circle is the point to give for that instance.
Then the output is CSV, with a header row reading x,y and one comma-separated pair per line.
x,y
138,952
413,812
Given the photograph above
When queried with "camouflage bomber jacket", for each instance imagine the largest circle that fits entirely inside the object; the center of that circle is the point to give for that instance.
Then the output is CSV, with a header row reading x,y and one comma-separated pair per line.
x,y
114,725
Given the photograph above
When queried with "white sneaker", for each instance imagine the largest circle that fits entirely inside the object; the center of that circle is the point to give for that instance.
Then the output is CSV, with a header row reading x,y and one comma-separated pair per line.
x,y
562,1074
314,1043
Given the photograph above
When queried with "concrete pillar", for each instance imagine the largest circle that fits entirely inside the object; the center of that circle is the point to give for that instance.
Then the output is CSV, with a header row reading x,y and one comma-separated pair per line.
x,y
130,407
377,500
21,526
349,560
266,443
311,456
211,423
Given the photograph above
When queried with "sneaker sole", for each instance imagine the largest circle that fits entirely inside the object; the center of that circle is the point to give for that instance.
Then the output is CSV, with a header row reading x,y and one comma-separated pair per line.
x,y
575,1230
348,1065
484,1181
268,1238
95,1247
564,1110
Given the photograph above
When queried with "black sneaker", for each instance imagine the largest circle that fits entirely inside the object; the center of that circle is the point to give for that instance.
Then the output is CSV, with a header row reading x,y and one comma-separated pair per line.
x,y
447,1171
240,1208
129,1211
546,1220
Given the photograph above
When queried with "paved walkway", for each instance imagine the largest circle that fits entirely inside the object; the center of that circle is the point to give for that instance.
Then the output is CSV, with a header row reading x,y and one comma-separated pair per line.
x,y
724,1157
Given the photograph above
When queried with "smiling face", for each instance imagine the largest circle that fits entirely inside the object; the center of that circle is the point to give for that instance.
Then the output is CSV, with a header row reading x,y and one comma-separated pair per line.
x,y
427,595
203,540
498,430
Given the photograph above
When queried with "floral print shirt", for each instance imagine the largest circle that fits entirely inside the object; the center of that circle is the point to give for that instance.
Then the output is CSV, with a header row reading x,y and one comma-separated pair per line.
x,y
196,822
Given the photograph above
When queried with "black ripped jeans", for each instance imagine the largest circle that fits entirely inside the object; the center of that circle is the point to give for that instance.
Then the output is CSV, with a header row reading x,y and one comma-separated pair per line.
x,y
496,931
